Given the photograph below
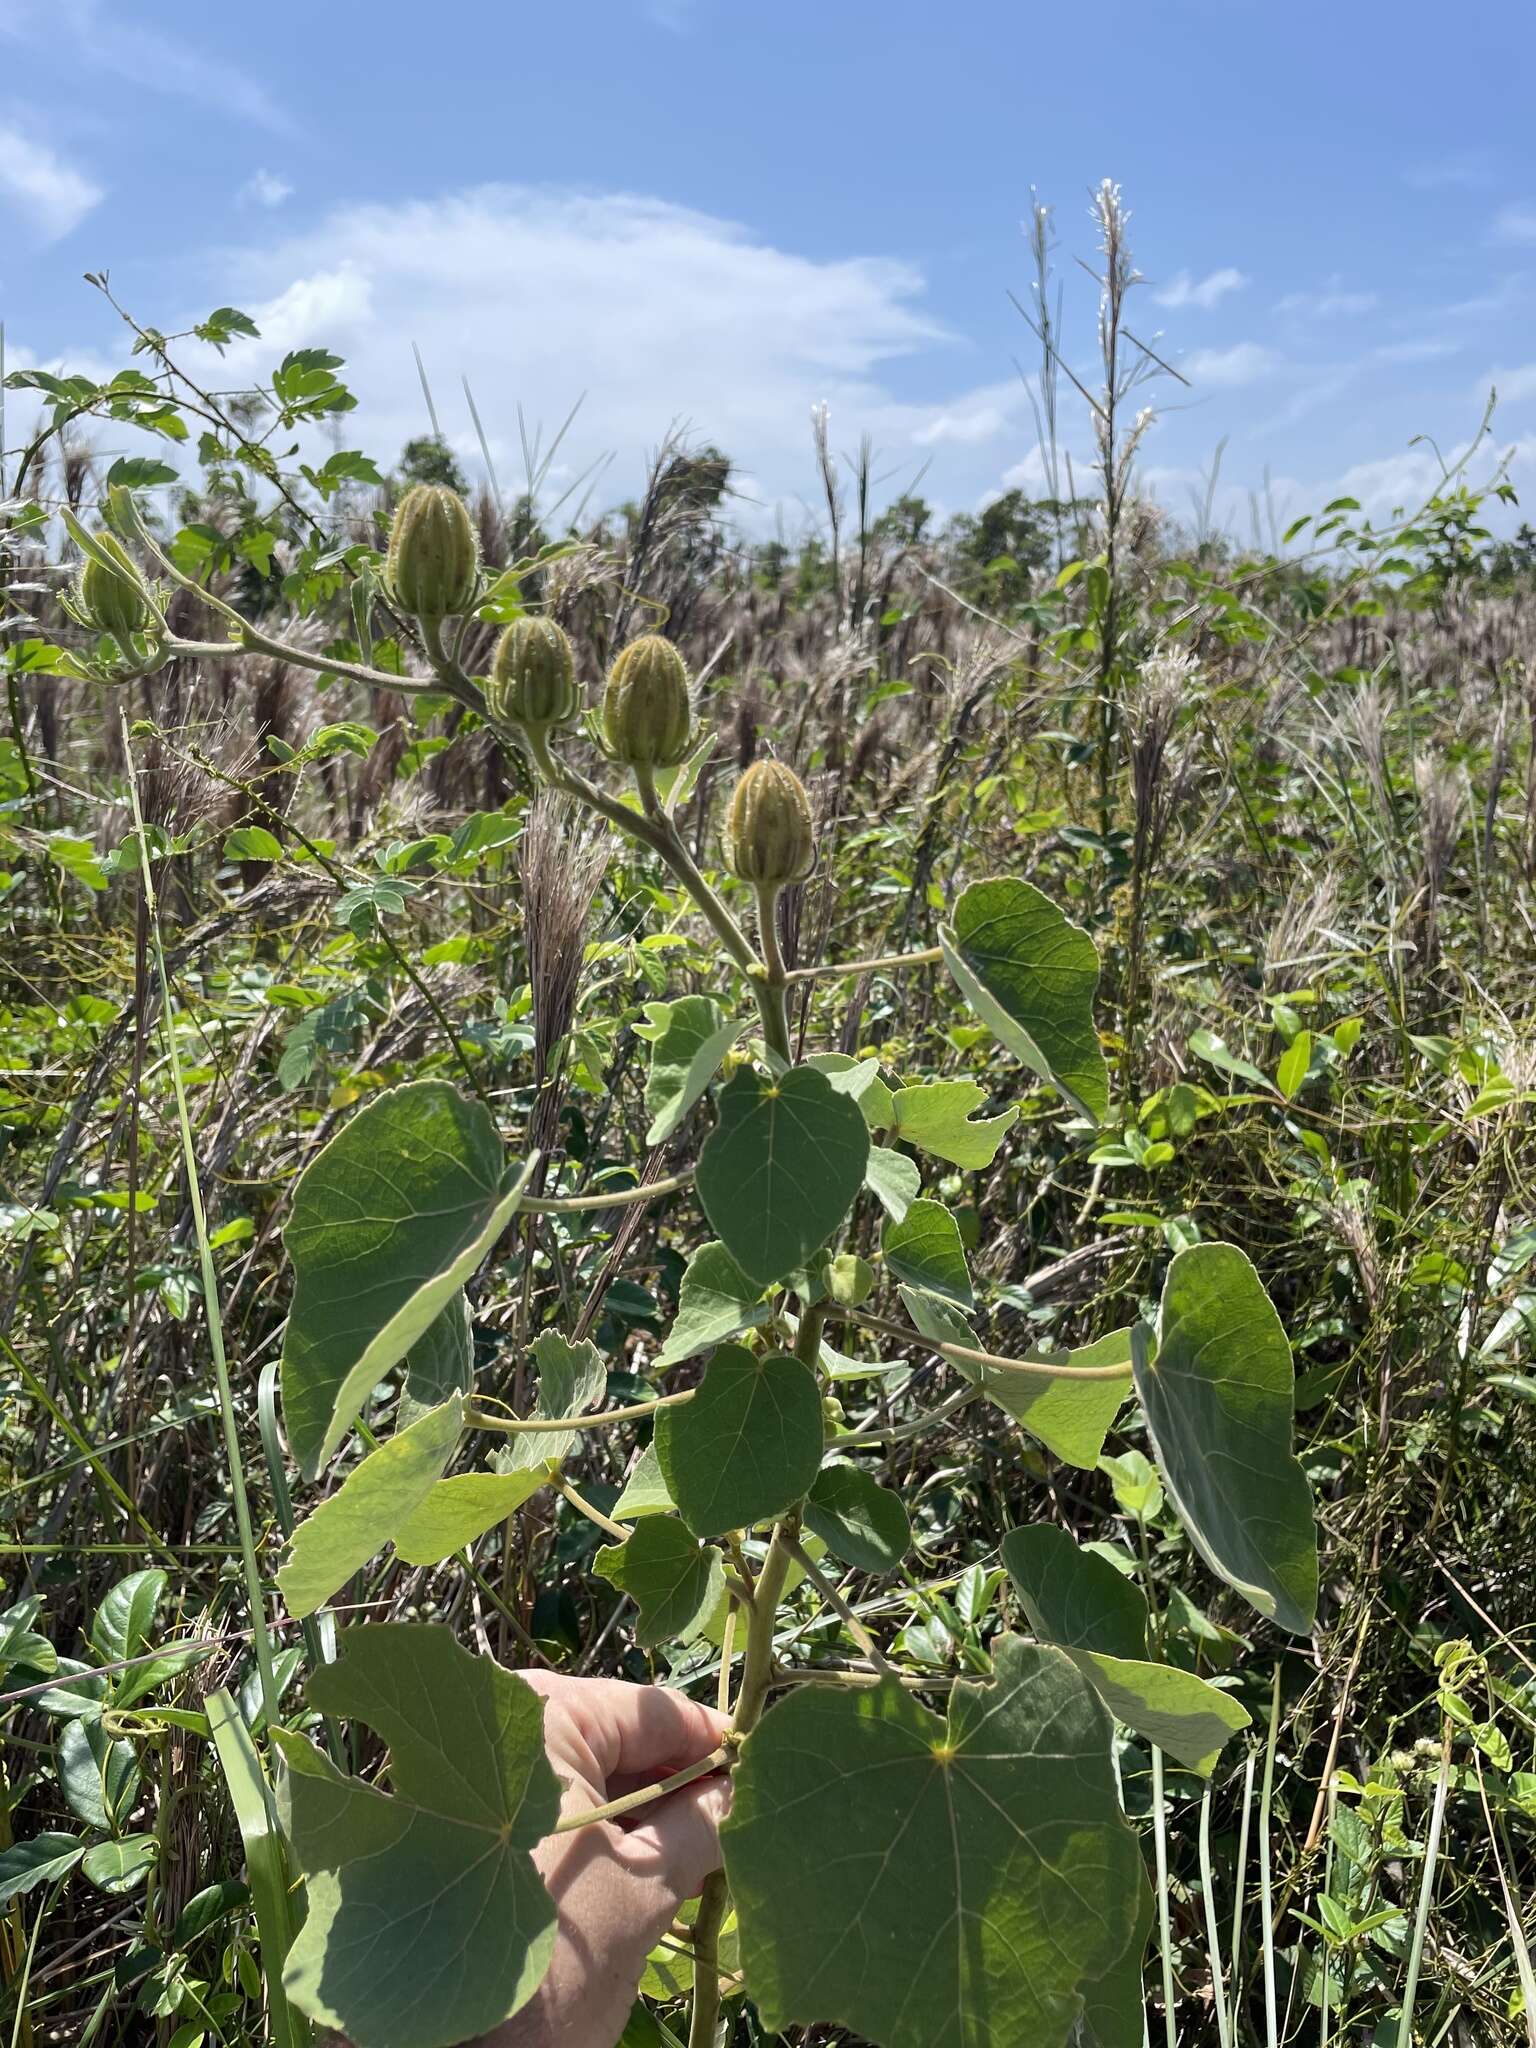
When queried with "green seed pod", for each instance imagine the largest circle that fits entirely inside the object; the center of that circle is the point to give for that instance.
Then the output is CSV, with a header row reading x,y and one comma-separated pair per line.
x,y
851,1280
113,600
533,676
433,568
768,834
647,713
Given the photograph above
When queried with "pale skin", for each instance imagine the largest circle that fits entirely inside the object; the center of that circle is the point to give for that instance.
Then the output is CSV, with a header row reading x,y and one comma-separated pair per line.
x,y
617,1885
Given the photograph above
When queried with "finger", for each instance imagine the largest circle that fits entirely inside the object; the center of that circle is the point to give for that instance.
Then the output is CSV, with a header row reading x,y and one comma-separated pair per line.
x,y
677,1842
641,1732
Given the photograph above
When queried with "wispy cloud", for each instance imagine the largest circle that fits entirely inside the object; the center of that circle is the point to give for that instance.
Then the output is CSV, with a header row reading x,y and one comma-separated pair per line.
x,y
1244,363
1333,302
265,188
1512,384
1425,351
1515,222
104,37
1448,173
50,195
1204,292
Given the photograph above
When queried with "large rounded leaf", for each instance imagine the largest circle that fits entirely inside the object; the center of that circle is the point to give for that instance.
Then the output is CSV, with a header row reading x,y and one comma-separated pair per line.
x,y
427,1922
780,1170
389,1220
747,1445
1030,974
933,1885
858,1519
925,1250
1219,1394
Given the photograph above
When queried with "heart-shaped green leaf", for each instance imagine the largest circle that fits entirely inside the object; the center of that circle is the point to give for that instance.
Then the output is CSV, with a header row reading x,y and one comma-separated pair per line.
x,y
893,1179
781,1169
858,1519
674,1580
688,1039
427,1922
371,1503
388,1222
975,1878
747,1445
1219,1395
1100,1619
1030,975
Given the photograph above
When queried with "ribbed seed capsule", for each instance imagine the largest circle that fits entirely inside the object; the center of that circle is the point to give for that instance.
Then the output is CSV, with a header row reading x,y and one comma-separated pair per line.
x,y
433,567
113,600
647,711
769,839
533,676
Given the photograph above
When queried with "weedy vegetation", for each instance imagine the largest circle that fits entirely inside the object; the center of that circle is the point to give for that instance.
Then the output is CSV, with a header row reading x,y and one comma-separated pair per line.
x,y
923,1134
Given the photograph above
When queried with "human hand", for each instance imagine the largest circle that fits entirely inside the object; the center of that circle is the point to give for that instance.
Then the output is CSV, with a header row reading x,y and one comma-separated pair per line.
x,y
617,1885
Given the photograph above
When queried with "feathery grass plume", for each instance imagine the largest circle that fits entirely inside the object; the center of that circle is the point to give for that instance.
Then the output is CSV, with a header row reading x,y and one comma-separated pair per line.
x,y
1443,800
560,867
1310,912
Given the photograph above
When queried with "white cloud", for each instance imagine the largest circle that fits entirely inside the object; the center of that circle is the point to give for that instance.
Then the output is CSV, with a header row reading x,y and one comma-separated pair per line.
x,y
1184,290
1244,363
1426,351
1332,303
658,314
50,195
1515,223
101,35
1445,173
1512,385
265,188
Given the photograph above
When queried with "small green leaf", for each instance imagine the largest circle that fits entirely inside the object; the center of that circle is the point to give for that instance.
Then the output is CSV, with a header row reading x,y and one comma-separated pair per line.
x,y
1219,1396
374,1500
645,1491
388,1222
1294,1063
860,1079
453,1512
43,1860
925,1250
1030,976
122,1865
716,1300
937,1117
403,1884
893,1179
675,1581
252,842
975,1878
747,1445
689,1039
780,1170
858,1519
125,1621
1205,1045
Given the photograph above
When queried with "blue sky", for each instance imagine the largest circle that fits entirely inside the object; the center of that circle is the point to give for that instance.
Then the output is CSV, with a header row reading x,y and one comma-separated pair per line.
x,y
690,210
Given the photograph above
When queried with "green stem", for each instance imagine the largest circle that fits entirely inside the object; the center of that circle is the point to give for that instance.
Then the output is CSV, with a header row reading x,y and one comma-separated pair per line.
x,y
886,963
631,1800
261,1641
476,1417
620,1198
756,1677
1035,1368
773,986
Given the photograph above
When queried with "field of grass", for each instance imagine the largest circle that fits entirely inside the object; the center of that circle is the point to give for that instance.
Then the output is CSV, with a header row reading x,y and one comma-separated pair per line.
x,y
1290,792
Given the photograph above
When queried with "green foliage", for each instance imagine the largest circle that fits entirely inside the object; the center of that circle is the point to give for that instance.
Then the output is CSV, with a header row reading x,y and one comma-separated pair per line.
x,y
977,1874
442,1852
747,1446
780,1170
1218,1394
